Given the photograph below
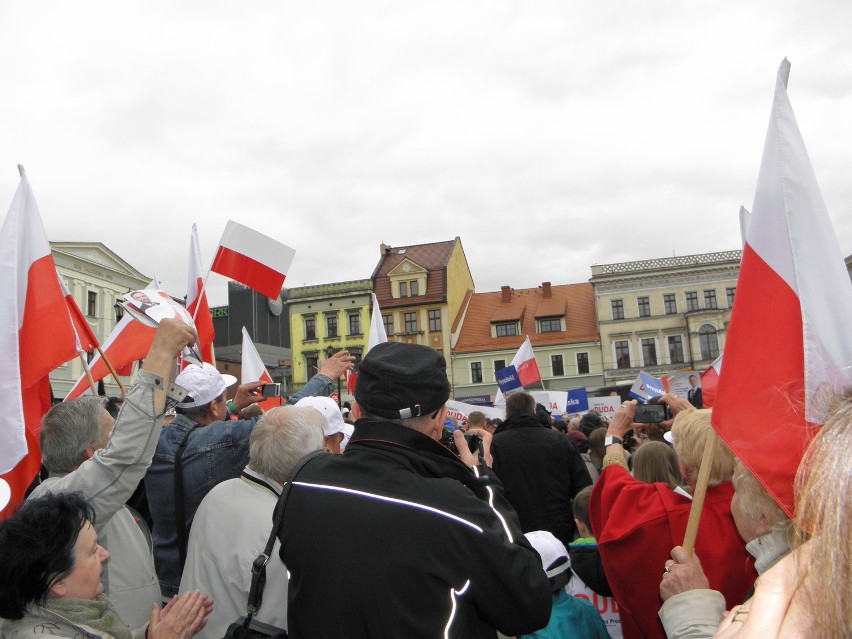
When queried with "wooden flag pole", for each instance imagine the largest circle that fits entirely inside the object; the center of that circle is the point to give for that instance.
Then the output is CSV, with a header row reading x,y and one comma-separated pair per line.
x,y
88,373
112,371
698,497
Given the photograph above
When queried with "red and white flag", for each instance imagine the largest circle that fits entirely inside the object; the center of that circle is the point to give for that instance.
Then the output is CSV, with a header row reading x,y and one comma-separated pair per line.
x,y
253,259
526,367
254,370
377,335
36,336
789,331
710,382
86,340
196,300
128,343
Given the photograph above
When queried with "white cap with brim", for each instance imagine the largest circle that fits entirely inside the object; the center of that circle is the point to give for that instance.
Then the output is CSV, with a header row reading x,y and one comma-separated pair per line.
x,y
554,555
203,384
330,411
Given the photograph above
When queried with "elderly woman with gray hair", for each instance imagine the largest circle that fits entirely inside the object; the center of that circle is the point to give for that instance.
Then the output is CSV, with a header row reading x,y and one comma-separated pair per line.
x,y
50,569
690,608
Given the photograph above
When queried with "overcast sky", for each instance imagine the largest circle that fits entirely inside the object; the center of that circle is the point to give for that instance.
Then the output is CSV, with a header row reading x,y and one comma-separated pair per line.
x,y
549,136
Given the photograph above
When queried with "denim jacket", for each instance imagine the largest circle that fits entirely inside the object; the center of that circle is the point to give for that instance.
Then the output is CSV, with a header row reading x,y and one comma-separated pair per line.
x,y
215,452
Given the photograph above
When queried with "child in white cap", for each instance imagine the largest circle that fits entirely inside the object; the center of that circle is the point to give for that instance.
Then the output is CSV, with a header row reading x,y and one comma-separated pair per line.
x,y
570,617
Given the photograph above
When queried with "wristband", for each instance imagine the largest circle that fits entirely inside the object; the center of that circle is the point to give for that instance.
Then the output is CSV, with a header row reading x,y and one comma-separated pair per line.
x,y
232,408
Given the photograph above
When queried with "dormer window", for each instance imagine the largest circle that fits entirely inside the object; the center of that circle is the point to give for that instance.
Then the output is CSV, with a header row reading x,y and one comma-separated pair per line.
x,y
550,325
505,329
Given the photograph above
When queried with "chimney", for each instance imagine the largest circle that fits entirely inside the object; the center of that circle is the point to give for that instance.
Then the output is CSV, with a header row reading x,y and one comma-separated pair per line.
x,y
545,290
384,249
506,294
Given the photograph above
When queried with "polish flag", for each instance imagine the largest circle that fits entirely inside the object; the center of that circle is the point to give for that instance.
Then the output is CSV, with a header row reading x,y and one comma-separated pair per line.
x,y
196,300
85,336
788,336
254,370
377,335
36,336
526,367
128,342
253,259
351,380
710,382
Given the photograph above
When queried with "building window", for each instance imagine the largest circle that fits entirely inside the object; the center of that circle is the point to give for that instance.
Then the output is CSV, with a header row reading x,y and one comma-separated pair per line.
x,y
556,364
692,301
550,325
411,322
403,289
311,366
310,328
499,364
415,288
675,349
506,329
617,309
709,342
355,324
710,298
649,351
644,306
582,363
331,326
730,293
622,354
92,305
476,372
670,302
387,320
434,320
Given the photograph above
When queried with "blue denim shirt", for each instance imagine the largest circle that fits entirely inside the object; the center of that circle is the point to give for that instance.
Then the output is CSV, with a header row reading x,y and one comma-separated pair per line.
x,y
215,452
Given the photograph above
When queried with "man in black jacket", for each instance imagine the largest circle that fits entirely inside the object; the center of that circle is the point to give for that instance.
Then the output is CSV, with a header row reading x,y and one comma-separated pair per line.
x,y
540,469
399,537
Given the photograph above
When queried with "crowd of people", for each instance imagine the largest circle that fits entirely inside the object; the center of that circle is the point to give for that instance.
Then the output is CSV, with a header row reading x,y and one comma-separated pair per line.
x,y
383,522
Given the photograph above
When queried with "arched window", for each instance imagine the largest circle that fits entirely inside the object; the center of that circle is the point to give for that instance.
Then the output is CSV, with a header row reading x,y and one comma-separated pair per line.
x,y
709,342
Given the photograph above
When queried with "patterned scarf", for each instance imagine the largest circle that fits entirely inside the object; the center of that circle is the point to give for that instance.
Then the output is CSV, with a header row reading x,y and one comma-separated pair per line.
x,y
96,613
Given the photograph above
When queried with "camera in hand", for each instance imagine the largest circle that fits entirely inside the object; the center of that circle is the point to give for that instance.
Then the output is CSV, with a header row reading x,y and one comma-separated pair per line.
x,y
651,413
270,390
473,441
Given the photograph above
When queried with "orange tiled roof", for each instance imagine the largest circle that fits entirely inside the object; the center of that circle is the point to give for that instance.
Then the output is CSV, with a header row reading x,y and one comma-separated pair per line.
x,y
576,301
433,257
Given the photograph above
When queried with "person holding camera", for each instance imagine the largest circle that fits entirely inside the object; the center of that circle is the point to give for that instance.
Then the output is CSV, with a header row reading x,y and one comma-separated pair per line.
x,y
398,536
203,447
636,524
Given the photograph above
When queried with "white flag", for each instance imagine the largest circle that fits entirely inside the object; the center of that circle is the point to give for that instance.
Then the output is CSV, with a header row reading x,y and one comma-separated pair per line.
x,y
378,335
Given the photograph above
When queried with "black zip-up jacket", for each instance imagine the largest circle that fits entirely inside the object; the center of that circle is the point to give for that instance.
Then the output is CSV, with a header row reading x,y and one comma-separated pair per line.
x,y
541,471
398,538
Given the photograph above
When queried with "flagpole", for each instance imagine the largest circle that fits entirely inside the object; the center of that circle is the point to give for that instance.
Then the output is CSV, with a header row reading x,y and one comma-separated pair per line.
x,y
88,373
698,496
112,371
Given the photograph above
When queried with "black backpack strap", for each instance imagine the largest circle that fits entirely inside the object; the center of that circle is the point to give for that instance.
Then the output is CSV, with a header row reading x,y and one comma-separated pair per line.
x,y
258,568
180,512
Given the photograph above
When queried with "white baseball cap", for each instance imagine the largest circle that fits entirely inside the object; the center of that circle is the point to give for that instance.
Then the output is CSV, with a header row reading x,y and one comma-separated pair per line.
x,y
328,407
204,384
554,556
348,429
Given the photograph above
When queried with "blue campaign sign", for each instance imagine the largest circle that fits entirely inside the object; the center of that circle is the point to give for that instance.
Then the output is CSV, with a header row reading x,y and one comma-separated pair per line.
x,y
646,386
578,401
507,380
